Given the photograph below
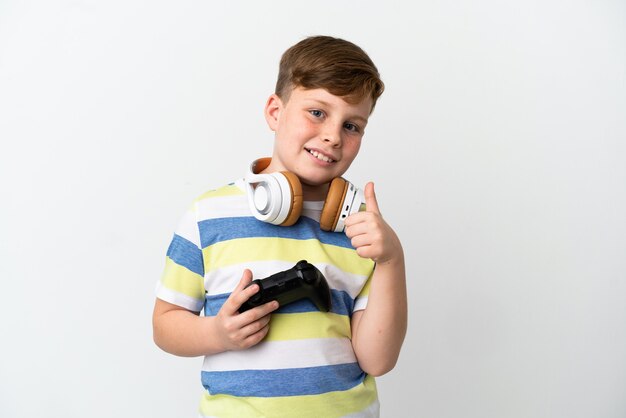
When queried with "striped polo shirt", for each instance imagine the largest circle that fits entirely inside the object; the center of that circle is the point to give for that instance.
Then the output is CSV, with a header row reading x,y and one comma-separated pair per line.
x,y
305,366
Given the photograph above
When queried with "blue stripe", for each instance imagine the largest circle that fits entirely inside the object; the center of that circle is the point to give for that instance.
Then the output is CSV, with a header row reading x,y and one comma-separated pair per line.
x,y
217,230
284,382
185,253
341,302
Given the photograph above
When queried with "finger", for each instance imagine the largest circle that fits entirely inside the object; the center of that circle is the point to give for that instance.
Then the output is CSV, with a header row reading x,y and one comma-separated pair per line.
x,y
256,330
356,218
361,241
371,204
246,278
358,226
259,312
256,326
255,338
366,252
362,222
242,292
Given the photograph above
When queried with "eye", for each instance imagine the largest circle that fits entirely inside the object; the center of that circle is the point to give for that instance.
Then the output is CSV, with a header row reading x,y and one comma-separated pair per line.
x,y
351,127
317,113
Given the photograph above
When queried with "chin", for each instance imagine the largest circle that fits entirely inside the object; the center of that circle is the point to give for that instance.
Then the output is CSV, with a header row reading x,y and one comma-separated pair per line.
x,y
318,179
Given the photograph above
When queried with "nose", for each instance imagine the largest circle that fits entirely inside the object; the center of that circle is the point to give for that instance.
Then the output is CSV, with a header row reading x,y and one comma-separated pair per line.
x,y
332,136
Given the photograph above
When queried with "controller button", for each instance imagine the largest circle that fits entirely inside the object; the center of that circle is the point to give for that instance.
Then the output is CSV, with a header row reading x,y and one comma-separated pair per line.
x,y
310,277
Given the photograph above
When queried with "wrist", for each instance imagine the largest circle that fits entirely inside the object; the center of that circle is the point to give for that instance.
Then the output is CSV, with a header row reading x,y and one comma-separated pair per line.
x,y
211,338
395,259
391,263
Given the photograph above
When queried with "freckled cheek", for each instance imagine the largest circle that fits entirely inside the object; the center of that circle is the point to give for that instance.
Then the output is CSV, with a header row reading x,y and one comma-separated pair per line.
x,y
351,149
306,125
298,127
292,122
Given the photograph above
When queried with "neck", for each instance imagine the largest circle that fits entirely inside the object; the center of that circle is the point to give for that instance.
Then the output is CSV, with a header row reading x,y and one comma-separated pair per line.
x,y
310,192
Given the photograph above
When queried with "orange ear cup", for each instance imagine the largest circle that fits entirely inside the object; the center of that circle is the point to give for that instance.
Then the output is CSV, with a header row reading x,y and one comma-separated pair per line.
x,y
332,206
296,203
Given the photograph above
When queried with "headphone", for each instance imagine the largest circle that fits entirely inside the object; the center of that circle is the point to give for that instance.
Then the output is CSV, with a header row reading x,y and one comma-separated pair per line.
x,y
277,198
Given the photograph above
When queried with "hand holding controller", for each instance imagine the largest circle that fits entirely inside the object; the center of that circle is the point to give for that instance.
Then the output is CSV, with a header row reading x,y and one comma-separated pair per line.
x,y
302,281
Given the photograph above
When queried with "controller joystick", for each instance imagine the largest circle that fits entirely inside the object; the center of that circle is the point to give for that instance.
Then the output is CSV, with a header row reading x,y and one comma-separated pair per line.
x,y
302,281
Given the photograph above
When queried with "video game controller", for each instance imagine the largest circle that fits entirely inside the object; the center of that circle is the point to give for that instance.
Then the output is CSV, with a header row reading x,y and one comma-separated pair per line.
x,y
303,281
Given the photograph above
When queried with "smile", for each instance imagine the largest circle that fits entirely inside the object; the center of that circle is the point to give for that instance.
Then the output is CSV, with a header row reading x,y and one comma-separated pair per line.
x,y
320,156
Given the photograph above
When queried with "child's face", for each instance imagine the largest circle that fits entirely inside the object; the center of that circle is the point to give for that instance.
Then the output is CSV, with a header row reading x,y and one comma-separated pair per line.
x,y
318,134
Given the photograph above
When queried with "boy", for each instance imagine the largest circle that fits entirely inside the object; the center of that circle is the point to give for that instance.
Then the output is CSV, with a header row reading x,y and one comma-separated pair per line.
x,y
294,361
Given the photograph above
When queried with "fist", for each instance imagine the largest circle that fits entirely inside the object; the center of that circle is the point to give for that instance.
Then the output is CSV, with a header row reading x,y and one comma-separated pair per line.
x,y
238,331
369,234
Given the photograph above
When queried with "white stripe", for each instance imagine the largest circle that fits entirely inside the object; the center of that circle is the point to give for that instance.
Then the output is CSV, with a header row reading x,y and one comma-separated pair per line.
x,y
225,279
241,183
312,209
188,228
223,207
272,355
168,295
360,304
341,280
230,206
212,207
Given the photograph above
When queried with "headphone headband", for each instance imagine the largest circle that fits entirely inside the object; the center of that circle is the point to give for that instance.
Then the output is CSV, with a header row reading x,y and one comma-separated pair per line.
x,y
256,167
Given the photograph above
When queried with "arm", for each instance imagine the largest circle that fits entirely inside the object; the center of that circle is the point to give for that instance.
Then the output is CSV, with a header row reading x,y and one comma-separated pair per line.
x,y
184,333
379,330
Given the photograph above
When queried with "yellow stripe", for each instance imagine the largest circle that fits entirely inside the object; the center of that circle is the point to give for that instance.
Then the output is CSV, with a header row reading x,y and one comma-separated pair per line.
x,y
230,190
327,405
181,280
245,250
299,326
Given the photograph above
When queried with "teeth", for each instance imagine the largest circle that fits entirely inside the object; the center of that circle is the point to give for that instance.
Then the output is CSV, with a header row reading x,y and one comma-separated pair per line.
x,y
320,156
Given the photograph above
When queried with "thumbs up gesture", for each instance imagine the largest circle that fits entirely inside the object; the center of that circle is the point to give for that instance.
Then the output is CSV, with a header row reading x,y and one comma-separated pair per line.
x,y
370,234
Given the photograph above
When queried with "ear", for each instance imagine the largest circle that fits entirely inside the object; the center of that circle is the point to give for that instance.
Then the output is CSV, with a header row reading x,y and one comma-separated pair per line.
x,y
273,107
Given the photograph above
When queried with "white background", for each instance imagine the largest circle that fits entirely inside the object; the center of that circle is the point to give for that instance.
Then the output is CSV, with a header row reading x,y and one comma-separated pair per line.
x,y
498,152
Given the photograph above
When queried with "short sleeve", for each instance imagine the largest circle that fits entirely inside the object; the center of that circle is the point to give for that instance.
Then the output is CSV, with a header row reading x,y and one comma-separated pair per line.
x,y
360,303
182,281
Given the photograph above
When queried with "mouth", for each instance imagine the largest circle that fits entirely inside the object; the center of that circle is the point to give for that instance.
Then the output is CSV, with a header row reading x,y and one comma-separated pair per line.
x,y
320,156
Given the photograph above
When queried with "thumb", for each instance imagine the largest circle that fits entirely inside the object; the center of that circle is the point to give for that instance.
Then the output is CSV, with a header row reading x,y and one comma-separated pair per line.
x,y
371,204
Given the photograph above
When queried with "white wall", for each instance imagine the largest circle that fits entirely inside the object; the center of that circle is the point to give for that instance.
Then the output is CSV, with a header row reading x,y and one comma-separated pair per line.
x,y
498,151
